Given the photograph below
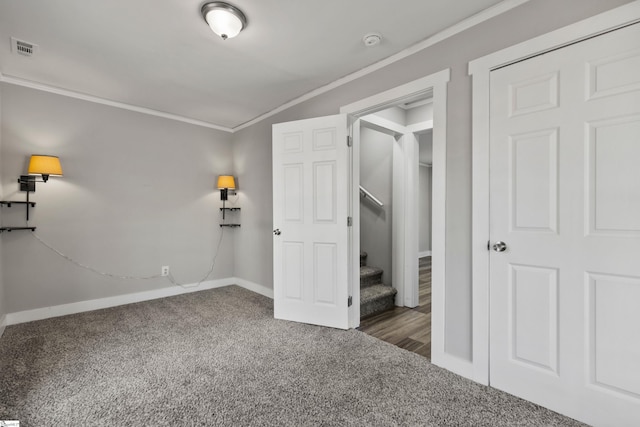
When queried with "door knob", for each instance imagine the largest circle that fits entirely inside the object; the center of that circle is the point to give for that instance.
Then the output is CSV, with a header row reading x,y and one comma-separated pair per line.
x,y
499,246
276,232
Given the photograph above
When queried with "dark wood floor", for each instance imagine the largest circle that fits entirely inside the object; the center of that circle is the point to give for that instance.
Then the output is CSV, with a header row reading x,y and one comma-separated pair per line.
x,y
408,328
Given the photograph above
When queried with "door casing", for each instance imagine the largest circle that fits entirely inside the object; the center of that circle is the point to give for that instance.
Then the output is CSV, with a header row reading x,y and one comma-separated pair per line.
x,y
436,86
480,70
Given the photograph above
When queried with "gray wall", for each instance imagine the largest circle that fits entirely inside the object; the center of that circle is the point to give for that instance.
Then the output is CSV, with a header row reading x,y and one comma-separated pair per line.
x,y
425,190
424,209
376,175
138,192
252,146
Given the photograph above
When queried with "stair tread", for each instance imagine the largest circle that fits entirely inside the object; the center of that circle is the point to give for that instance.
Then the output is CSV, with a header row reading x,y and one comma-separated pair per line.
x,y
375,292
367,271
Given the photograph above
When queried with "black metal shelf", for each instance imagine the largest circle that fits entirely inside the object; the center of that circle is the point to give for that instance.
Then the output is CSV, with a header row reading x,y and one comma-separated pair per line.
x,y
225,209
12,202
10,229
8,204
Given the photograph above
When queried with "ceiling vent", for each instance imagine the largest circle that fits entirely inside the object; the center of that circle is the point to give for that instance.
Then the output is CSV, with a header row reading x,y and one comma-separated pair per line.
x,y
22,47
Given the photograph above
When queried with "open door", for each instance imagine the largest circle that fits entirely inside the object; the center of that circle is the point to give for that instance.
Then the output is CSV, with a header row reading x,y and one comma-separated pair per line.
x,y
310,211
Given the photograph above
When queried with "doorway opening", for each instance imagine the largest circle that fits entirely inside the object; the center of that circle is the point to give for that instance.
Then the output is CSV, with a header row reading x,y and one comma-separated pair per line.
x,y
395,302
432,87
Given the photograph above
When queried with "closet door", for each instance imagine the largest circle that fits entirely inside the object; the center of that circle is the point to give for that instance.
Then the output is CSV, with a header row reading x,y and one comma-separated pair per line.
x,y
565,229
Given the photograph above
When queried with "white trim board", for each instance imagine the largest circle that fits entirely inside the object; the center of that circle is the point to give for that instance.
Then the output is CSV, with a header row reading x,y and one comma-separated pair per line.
x,y
97,304
461,26
480,70
103,101
254,287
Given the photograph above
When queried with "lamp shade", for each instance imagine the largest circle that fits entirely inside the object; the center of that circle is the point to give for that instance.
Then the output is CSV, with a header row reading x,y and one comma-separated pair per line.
x,y
44,165
226,181
225,20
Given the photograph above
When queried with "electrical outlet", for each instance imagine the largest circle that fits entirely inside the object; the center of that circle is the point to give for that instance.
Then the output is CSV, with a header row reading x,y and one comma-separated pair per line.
x,y
165,270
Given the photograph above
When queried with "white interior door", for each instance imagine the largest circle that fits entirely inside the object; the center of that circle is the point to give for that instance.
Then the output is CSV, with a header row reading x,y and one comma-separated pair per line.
x,y
310,209
565,200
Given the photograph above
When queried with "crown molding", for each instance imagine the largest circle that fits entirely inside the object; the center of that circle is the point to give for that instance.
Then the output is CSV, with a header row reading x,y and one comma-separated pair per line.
x,y
17,81
461,26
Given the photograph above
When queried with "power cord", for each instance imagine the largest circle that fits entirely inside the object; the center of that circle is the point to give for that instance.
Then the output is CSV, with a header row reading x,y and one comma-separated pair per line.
x,y
123,277
206,276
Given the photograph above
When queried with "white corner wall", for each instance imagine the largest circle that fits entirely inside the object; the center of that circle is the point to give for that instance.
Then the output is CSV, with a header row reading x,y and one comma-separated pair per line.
x,y
3,309
138,193
252,146
424,210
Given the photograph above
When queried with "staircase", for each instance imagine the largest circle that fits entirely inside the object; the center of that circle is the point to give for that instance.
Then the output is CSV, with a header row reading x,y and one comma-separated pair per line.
x,y
375,297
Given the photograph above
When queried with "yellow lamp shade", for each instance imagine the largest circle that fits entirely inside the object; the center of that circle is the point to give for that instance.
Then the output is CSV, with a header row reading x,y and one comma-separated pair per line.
x,y
45,165
226,181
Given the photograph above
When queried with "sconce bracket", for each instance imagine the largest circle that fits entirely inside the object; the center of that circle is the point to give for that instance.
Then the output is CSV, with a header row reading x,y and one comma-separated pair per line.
x,y
27,183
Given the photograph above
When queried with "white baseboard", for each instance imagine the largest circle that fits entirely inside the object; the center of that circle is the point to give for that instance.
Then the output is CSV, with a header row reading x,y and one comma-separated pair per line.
x,y
3,324
97,304
254,287
454,364
424,254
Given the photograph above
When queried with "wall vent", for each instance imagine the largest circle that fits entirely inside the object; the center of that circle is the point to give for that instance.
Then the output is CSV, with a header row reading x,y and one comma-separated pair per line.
x,y
22,47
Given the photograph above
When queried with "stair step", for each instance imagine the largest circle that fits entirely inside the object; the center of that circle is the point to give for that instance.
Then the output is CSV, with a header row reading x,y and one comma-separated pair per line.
x,y
370,276
376,299
363,259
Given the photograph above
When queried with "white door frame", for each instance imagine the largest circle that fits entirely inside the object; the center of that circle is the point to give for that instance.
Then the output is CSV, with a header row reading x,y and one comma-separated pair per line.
x,y
435,85
480,70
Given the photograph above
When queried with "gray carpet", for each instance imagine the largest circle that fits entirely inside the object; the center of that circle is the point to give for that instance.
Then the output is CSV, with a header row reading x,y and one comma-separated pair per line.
x,y
218,358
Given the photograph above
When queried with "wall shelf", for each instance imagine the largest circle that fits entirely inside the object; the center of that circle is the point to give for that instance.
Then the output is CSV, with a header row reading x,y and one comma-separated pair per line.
x,y
231,210
12,202
10,229
8,204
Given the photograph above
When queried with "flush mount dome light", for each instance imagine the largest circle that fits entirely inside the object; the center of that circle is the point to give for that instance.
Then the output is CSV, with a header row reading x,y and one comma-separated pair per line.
x,y
225,20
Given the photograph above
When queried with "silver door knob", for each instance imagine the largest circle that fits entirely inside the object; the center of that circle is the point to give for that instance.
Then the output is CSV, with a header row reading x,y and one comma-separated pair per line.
x,y
499,246
276,232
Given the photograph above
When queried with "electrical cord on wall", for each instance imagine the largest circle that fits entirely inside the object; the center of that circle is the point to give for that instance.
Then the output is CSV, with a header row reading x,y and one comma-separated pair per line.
x,y
206,276
124,277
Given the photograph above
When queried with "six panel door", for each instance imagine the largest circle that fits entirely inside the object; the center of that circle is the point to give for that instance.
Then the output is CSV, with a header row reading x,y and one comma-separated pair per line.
x,y
310,209
565,198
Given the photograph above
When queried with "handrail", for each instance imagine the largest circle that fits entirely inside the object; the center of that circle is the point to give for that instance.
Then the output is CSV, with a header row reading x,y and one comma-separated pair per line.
x,y
367,195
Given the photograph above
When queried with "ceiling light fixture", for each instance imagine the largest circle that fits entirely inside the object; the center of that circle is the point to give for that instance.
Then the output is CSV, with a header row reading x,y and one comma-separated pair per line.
x,y
225,20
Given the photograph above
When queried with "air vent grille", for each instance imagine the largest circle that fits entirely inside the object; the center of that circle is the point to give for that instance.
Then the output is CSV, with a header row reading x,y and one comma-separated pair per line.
x,y
23,47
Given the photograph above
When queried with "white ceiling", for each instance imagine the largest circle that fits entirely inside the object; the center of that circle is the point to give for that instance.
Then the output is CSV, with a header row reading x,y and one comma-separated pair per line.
x,y
161,55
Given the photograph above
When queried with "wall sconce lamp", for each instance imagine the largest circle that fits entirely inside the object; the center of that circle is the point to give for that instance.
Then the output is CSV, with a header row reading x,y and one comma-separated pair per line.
x,y
224,19
43,165
225,183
